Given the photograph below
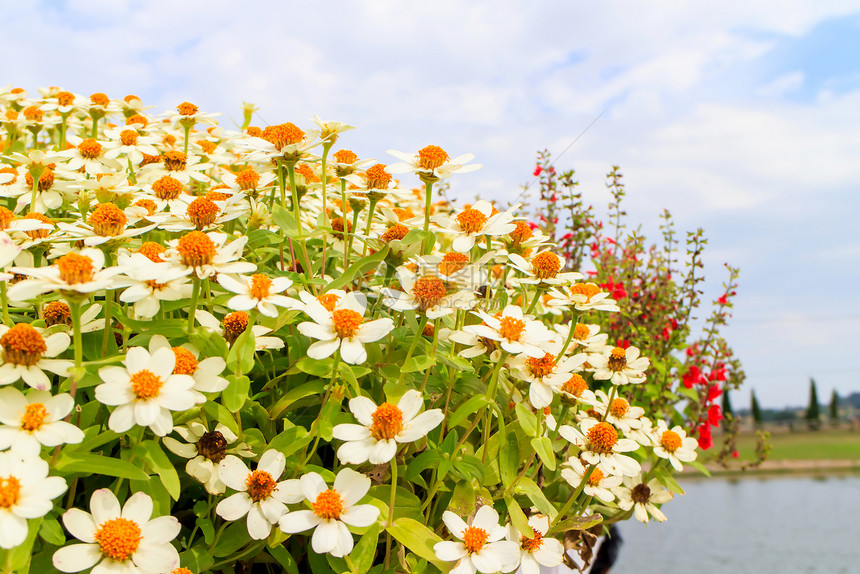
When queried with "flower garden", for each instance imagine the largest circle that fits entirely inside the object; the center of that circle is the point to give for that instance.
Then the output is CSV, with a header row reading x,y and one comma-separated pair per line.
x,y
252,350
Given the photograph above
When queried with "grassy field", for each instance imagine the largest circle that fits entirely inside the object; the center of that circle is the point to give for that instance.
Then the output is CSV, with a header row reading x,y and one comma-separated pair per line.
x,y
806,445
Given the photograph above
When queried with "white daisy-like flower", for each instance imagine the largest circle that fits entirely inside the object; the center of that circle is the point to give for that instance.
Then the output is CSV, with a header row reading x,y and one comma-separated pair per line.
x,y
118,539
476,222
149,283
188,115
88,154
145,391
75,274
583,297
537,551
179,166
35,420
381,430
600,445
432,161
258,291
281,141
26,491
619,412
644,435
584,336
27,354
259,495
426,293
621,366
545,374
576,389
329,131
544,268
475,345
234,324
515,332
106,223
674,445
206,373
206,449
209,254
129,142
482,548
643,498
599,484
333,510
58,314
343,328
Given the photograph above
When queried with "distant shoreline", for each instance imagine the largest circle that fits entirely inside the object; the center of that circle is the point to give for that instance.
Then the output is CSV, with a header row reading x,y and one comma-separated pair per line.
x,y
777,467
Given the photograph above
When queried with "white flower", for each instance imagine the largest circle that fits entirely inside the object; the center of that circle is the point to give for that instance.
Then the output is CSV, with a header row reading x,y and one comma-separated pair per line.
x,y
177,165
621,366
482,548
536,551
205,449
515,332
258,492
35,420
642,498
150,283
258,291
208,254
27,354
206,373
88,154
382,429
545,374
674,445
619,412
585,336
26,491
343,328
543,269
234,324
145,391
598,484
476,221
432,161
334,509
75,274
130,142
126,539
583,297
601,446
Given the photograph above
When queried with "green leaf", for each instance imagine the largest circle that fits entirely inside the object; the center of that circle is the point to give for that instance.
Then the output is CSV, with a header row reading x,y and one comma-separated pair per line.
x,y
285,220
151,452
338,565
361,266
463,499
348,373
509,459
528,487
469,407
447,447
576,523
236,393
405,503
419,363
240,359
329,411
425,460
470,466
315,367
154,488
699,466
197,559
543,447
284,558
233,538
293,395
528,420
319,565
365,550
22,554
51,532
85,463
518,517
419,539
290,441
666,479
217,411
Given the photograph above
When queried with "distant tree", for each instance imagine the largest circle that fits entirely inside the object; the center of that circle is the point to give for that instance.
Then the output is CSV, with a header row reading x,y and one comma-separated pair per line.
x,y
834,408
812,411
726,407
755,410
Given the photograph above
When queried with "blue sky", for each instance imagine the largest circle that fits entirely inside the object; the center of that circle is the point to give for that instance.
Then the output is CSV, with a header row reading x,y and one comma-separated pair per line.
x,y
739,117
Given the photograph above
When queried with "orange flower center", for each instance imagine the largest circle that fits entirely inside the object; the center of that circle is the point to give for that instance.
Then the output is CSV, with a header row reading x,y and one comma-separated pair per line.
x,y
22,345
146,384
511,328
328,300
90,148
471,220
345,156
174,161
671,441
546,265
595,478
377,178
186,109
387,422
601,438
306,172
337,226
11,115
587,290
254,131
431,157
181,570
260,286
522,232
57,313
215,195
575,385
247,179
428,291
532,544
10,491
328,505
396,231
186,362
33,113
33,417
167,187
617,360
75,268
100,99
65,98
618,408
118,538
346,322
46,180
137,119
234,325
38,233
202,212
146,204
453,262
108,220
283,135
581,332
474,538
128,137
196,249
260,485
152,251
541,367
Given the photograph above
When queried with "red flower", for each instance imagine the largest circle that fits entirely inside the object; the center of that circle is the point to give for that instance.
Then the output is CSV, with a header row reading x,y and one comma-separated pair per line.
x,y
715,414
693,376
714,391
723,300
623,343
705,440
538,169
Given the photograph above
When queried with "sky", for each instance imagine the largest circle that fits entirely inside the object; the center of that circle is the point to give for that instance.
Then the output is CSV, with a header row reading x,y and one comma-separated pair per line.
x,y
739,117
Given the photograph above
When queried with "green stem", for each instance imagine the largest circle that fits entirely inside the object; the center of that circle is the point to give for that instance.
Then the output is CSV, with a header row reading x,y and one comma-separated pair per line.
x,y
491,396
326,225
570,501
538,293
195,294
187,129
373,201
414,344
428,193
6,320
391,500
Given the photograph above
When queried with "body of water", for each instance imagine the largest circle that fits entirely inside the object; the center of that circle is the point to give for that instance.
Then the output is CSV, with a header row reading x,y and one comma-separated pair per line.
x,y
780,525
